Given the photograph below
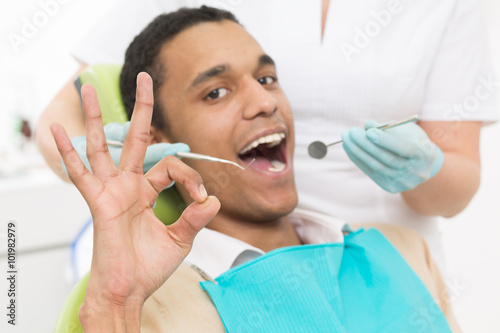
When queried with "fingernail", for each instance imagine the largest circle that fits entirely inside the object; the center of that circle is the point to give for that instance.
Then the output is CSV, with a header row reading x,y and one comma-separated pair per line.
x,y
373,135
182,147
203,192
344,135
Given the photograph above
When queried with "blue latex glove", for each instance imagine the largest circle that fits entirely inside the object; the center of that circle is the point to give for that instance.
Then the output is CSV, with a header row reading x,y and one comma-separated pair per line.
x,y
117,132
397,159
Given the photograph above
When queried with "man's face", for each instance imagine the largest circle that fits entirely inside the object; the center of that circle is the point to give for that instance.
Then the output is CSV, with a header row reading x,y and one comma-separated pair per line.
x,y
222,98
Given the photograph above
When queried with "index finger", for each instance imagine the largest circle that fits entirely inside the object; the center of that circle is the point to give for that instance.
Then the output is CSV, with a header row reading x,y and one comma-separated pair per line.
x,y
395,144
136,141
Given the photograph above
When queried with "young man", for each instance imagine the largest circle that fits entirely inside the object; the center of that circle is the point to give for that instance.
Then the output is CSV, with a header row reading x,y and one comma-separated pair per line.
x,y
292,271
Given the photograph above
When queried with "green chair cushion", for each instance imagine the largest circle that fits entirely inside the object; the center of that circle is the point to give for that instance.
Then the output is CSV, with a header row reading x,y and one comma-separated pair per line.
x,y
68,320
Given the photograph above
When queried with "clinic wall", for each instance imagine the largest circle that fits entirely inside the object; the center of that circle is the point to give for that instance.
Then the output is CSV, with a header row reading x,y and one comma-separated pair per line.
x,y
471,239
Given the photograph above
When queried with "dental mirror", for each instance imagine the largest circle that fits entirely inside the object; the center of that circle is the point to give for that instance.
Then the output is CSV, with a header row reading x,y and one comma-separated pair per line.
x,y
318,149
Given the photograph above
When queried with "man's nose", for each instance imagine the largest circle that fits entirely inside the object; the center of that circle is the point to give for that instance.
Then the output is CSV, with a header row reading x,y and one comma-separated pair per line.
x,y
258,100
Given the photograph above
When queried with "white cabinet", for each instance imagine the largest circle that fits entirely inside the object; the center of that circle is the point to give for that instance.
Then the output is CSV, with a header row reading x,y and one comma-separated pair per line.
x,y
48,214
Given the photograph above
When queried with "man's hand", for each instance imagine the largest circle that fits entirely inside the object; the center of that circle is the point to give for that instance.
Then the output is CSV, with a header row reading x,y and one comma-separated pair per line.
x,y
134,252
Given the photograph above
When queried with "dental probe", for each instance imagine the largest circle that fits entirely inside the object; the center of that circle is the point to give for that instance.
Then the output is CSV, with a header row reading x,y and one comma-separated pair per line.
x,y
201,157
194,156
318,149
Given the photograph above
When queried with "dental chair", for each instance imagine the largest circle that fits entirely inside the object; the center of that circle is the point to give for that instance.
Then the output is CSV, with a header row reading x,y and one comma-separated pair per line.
x,y
169,205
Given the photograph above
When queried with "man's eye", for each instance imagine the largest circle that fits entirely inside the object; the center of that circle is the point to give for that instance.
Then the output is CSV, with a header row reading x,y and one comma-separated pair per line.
x,y
267,80
217,93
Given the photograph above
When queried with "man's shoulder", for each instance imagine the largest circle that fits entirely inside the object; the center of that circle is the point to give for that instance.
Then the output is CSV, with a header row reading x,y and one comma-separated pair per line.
x,y
180,305
401,237
409,243
413,248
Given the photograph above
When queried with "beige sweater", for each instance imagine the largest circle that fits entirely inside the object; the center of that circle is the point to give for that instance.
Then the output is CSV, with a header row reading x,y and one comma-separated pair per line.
x,y
180,305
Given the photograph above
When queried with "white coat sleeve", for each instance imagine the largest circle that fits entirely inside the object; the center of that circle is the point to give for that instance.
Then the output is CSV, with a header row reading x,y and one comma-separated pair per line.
x,y
461,85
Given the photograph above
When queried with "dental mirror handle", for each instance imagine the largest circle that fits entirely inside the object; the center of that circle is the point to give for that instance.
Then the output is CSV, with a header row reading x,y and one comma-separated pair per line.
x,y
386,126
318,149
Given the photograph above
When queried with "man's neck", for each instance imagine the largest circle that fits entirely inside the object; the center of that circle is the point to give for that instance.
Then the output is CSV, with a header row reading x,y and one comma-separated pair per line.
x,y
265,236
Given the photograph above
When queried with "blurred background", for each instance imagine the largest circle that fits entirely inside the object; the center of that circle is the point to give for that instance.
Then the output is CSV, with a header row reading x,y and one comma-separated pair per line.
x,y
49,213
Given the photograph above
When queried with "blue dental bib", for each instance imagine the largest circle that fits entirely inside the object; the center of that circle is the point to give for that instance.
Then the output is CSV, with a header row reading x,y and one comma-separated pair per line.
x,y
363,285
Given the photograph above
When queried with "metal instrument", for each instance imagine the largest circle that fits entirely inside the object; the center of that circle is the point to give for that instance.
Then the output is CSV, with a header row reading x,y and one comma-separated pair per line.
x,y
318,149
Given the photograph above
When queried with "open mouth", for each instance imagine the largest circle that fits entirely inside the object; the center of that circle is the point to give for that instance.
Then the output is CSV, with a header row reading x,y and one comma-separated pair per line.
x,y
268,151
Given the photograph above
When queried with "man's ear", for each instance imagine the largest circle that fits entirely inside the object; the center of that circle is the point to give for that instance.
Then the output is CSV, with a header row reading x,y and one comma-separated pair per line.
x,y
157,136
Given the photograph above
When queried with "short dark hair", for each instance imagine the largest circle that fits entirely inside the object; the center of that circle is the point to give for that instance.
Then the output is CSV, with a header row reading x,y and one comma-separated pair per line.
x,y
143,53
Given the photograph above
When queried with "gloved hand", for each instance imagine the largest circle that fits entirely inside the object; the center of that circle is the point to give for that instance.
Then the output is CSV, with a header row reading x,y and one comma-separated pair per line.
x,y
117,132
397,159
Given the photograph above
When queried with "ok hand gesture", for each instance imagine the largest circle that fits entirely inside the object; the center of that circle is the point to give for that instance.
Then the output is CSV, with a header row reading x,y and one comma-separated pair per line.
x,y
134,252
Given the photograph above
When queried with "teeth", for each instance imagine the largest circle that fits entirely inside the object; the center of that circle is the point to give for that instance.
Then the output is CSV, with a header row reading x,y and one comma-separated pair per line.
x,y
272,140
276,166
